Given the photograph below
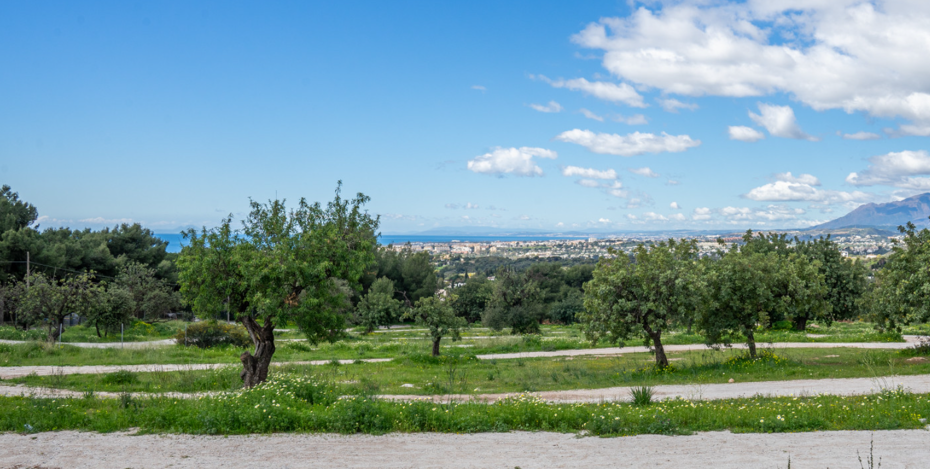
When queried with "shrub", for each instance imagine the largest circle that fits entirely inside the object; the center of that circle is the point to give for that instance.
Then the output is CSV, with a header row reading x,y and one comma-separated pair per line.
x,y
920,349
642,395
121,377
211,333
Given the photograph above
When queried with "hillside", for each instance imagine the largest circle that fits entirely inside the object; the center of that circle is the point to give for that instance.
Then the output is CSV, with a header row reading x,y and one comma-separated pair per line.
x,y
915,209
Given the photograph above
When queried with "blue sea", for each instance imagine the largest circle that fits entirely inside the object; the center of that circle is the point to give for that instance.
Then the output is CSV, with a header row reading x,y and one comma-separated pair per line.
x,y
175,239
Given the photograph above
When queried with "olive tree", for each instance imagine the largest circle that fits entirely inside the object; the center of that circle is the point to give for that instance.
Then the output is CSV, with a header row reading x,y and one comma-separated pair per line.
x,y
378,307
642,296
437,315
48,300
902,287
301,266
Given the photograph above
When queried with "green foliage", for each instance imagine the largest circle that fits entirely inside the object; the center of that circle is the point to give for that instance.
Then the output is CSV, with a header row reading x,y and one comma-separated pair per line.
x,y
472,298
411,272
902,287
758,285
641,395
48,301
120,378
378,307
113,307
643,296
438,316
150,298
516,302
206,334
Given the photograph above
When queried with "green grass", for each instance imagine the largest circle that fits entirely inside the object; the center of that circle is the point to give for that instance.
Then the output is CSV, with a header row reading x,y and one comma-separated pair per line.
x,y
307,404
469,375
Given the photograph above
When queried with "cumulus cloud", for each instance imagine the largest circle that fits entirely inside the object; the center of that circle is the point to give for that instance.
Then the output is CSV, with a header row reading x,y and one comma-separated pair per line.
x,y
862,136
551,107
803,188
636,143
677,217
895,169
617,93
591,115
644,171
779,121
848,55
589,173
673,105
516,161
603,220
589,183
701,213
675,205
745,134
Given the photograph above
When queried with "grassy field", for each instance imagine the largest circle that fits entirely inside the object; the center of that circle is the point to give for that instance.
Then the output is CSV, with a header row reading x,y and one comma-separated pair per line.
x,y
464,374
291,404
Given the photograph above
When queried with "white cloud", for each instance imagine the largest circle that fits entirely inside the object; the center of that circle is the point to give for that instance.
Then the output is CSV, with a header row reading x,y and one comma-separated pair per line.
x,y
622,93
779,121
636,119
790,188
675,205
516,161
603,220
701,213
745,134
644,171
589,173
652,216
808,179
673,105
849,55
616,190
591,115
551,107
589,183
677,217
672,182
106,221
862,136
636,143
895,169
478,87
631,216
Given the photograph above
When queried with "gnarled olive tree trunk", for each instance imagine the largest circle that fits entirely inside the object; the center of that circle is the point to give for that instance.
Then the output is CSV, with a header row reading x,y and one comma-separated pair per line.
x,y
255,367
658,348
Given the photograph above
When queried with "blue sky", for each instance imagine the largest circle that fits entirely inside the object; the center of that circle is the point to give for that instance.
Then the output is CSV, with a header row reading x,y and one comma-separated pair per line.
x,y
545,115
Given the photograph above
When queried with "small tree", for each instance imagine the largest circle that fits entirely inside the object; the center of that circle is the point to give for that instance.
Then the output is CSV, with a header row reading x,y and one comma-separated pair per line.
x,y
641,297
438,316
112,307
152,298
378,307
49,301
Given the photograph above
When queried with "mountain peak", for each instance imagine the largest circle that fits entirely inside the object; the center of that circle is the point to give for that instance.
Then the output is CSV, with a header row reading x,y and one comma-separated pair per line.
x,y
913,209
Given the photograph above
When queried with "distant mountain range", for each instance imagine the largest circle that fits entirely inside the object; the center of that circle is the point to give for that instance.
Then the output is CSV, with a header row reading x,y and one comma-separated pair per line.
x,y
915,209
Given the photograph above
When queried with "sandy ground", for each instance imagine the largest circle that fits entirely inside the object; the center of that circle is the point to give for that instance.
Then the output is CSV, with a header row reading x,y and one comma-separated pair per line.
x,y
804,387
9,372
721,450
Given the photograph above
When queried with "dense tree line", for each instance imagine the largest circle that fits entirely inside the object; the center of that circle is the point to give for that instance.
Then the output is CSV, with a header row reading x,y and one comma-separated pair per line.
x,y
107,277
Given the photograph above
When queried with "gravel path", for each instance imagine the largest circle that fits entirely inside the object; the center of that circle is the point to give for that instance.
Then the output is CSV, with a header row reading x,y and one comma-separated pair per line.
x,y
720,450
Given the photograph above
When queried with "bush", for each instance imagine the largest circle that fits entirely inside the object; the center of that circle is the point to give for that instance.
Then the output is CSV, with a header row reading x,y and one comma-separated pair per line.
x,y
211,333
920,349
120,377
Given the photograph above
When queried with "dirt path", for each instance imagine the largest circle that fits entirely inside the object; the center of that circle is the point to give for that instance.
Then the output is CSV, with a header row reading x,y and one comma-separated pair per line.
x,y
10,372
848,386
721,450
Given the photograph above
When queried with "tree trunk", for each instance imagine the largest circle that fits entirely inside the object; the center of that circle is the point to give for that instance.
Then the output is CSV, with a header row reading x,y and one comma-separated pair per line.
x,y
661,359
97,327
255,367
751,342
54,329
800,324
436,346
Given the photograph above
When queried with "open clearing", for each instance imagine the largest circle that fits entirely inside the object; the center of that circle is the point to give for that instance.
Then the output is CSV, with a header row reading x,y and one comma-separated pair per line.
x,y
721,450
